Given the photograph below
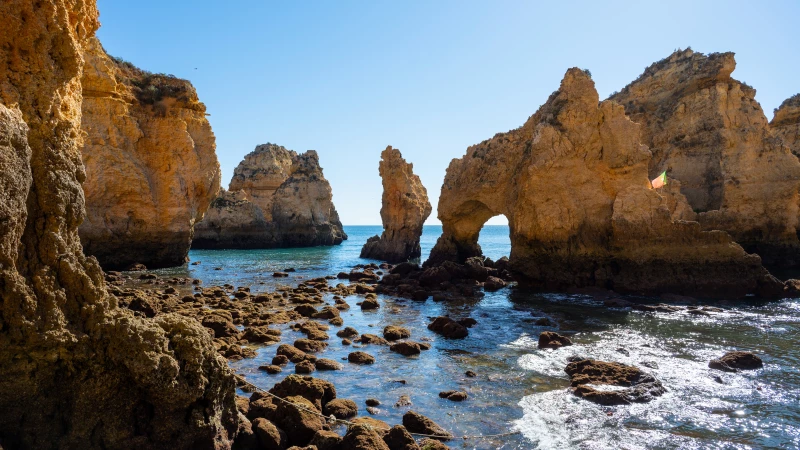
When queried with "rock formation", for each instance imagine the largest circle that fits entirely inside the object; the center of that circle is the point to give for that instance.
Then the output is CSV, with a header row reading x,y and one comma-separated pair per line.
x,y
76,370
573,182
405,207
707,130
151,166
277,198
786,123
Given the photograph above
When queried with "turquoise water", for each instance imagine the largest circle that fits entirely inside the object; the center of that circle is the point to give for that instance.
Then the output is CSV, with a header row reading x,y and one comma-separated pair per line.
x,y
519,387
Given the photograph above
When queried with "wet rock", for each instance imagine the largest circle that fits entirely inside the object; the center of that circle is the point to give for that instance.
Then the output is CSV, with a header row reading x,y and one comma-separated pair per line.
x,y
341,408
736,361
467,322
291,352
328,364
650,364
420,296
304,367
373,402
417,423
347,332
261,335
406,348
306,310
378,425
432,444
398,438
623,351
641,387
369,304
299,424
326,440
394,333
280,360
268,435
470,374
367,338
494,284
318,391
222,326
346,342
310,346
404,400
363,437
280,274
361,358
449,328
373,410
271,369
456,396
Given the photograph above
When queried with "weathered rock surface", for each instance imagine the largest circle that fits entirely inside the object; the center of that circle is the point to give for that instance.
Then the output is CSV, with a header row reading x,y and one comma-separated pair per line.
x,y
574,185
405,207
151,166
735,361
76,370
707,130
786,123
587,377
277,198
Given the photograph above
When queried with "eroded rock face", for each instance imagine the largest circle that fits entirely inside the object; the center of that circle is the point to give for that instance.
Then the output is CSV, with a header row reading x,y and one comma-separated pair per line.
x,y
707,130
77,371
405,207
151,166
786,123
277,198
574,185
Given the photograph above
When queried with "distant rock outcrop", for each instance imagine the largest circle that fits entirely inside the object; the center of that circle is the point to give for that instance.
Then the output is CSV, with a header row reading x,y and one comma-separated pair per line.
x,y
277,198
405,207
574,185
707,130
151,166
786,123
77,371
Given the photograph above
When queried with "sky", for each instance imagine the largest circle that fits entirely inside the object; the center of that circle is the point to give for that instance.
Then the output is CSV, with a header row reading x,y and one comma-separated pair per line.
x,y
347,78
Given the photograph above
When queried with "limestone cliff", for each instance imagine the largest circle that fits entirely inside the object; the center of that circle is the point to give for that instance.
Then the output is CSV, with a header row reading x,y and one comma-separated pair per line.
x,y
707,130
277,198
573,182
151,166
786,123
76,371
404,209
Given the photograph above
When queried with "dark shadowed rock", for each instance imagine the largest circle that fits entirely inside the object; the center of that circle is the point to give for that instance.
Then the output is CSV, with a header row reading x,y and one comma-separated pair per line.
x,y
449,328
735,361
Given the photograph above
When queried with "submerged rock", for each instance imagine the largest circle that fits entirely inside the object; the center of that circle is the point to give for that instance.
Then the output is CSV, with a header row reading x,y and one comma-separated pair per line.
x,y
574,183
405,207
151,163
277,198
735,361
587,377
77,370
708,132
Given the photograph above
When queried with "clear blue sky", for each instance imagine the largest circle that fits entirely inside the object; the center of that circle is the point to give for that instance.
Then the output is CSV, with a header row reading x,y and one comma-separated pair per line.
x,y
348,78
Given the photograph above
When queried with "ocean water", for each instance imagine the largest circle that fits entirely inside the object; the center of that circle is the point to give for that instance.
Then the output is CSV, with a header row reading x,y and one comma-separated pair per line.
x,y
521,388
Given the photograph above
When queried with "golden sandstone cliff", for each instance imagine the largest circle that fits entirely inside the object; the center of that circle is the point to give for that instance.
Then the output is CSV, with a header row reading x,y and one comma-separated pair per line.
x,y
77,371
404,209
277,198
707,130
151,166
786,123
573,182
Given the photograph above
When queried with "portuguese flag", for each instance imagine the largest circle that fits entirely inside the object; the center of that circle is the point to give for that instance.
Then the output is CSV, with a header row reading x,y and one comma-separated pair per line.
x,y
660,181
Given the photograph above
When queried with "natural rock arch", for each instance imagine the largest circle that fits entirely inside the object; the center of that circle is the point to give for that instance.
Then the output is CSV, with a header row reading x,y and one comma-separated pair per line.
x,y
573,183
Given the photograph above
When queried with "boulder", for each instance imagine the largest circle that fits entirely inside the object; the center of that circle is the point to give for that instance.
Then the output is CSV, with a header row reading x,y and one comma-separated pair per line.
x,y
341,408
318,392
361,358
406,348
417,423
550,339
448,328
736,361
269,436
586,376
398,438
362,437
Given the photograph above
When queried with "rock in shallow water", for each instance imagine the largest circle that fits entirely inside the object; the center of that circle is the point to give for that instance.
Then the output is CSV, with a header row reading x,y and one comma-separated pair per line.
x,y
549,339
448,327
417,423
587,377
735,361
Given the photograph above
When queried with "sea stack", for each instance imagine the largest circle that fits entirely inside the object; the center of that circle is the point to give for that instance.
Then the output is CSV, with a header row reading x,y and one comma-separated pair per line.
x,y
404,209
786,123
277,198
151,165
573,182
706,130
76,370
